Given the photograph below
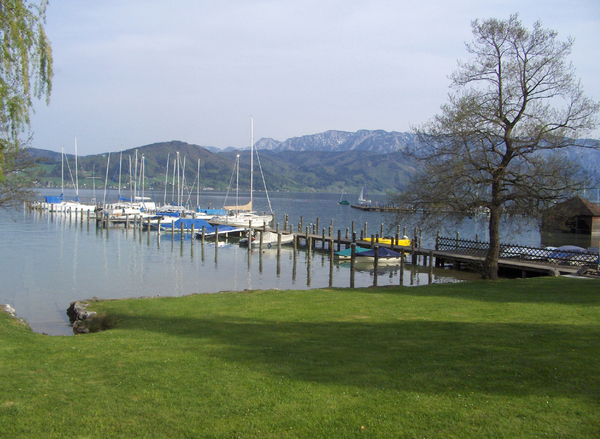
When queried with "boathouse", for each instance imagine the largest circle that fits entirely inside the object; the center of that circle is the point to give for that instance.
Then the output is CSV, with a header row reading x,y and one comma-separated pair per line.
x,y
576,215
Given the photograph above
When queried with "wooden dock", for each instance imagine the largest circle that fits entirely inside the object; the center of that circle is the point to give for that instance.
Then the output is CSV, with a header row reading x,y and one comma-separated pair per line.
x,y
418,255
376,207
437,258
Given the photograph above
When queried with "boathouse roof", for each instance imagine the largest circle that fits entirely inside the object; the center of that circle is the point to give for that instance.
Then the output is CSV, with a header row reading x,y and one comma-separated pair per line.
x,y
578,206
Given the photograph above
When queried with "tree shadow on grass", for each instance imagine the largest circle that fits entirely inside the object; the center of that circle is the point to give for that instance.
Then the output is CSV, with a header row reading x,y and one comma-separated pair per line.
x,y
426,357
580,292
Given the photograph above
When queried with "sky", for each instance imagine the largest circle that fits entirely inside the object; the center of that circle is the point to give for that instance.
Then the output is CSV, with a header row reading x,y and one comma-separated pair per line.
x,y
129,73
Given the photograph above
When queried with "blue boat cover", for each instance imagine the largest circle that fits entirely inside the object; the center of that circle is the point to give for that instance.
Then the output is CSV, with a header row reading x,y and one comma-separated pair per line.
x,y
382,252
54,200
198,223
348,252
212,211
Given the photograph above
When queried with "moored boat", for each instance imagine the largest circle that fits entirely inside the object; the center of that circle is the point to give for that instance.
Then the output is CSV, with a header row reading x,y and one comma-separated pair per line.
x,y
384,256
268,238
404,241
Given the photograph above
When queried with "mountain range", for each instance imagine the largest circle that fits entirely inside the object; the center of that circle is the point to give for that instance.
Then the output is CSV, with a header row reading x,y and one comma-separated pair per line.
x,y
332,161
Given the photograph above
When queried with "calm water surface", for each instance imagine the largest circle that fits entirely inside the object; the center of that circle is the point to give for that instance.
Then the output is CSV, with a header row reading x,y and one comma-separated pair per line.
x,y
48,261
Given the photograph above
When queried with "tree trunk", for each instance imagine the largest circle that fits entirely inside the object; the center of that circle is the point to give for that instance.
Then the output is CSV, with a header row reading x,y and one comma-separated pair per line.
x,y
490,265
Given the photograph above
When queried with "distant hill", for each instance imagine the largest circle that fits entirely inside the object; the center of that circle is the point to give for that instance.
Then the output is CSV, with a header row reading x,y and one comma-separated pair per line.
x,y
310,168
332,161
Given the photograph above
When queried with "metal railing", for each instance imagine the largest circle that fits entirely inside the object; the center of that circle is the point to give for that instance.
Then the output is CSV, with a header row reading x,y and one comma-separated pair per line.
x,y
559,256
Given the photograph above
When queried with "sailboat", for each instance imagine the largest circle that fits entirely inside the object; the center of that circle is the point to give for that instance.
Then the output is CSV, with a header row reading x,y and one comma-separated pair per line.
x,y
363,197
342,201
73,206
243,216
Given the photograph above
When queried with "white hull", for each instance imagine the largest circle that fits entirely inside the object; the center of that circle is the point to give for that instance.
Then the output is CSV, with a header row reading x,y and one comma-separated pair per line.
x,y
243,220
268,239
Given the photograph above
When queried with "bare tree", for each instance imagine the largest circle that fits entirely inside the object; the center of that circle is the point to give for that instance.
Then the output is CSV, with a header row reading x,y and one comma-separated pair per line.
x,y
500,142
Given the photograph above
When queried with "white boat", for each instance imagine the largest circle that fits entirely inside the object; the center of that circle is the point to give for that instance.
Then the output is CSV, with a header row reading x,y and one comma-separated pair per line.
x,y
363,197
58,204
244,216
269,239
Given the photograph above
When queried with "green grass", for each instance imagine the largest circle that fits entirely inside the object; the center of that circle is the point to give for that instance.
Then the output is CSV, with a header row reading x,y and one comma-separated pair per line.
x,y
506,359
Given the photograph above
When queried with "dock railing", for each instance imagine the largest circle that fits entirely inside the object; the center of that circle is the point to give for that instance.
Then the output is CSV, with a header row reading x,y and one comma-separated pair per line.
x,y
521,252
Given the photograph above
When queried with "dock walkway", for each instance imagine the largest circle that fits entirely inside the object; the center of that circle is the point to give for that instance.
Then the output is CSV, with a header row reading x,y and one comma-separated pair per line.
x,y
438,258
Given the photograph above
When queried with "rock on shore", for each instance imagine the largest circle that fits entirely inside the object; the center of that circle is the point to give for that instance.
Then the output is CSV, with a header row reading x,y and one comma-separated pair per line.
x,y
77,313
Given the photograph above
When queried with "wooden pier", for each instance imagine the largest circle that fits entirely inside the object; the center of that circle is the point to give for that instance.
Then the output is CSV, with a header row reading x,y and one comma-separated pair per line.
x,y
376,207
309,237
437,258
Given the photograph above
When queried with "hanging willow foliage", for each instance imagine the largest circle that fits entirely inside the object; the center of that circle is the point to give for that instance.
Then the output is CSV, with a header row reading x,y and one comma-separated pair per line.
x,y
25,73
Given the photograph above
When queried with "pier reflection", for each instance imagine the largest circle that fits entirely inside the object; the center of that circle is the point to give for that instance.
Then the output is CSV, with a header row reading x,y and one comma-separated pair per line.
x,y
122,262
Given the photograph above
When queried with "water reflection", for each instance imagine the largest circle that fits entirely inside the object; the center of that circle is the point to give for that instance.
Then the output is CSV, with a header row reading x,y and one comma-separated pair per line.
x,y
55,259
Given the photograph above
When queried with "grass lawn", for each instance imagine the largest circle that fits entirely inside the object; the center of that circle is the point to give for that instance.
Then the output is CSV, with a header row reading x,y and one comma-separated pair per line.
x,y
506,359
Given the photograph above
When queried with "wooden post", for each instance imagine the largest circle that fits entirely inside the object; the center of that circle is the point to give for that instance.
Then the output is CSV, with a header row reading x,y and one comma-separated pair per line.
x,y
372,241
375,265
317,223
381,234
402,256
331,263
431,266
192,233
366,229
339,240
352,263
216,242
203,234
181,228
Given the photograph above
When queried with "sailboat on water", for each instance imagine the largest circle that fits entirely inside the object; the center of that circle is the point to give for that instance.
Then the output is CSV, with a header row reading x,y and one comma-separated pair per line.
x,y
342,201
243,215
57,204
363,197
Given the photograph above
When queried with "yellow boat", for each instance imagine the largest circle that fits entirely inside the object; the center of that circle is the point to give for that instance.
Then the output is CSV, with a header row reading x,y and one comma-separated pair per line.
x,y
404,241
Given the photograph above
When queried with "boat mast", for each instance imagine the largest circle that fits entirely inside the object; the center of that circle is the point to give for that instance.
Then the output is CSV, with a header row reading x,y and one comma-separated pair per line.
x,y
135,174
166,179
251,159
237,181
76,178
198,186
120,167
62,170
178,171
106,180
183,180
142,181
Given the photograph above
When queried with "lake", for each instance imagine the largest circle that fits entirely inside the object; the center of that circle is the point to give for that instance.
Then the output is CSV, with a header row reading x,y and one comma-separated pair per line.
x,y
48,261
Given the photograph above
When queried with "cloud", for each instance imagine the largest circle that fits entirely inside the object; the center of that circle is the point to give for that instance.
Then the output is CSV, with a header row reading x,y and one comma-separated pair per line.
x,y
138,72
